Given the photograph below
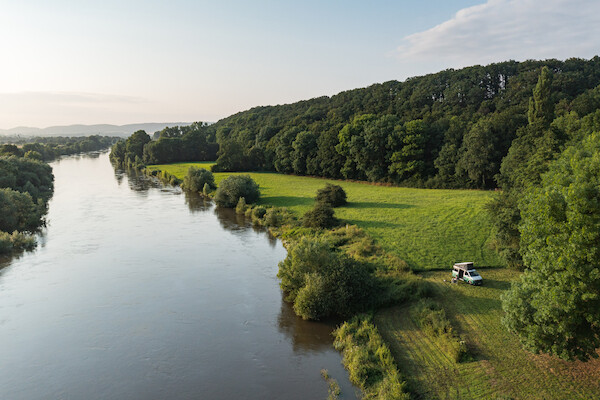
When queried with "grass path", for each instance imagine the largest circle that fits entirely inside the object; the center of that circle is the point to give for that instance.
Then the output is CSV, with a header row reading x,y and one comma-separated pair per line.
x,y
502,369
428,228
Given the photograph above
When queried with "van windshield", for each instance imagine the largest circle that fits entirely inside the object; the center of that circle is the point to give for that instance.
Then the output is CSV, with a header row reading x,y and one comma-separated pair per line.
x,y
472,272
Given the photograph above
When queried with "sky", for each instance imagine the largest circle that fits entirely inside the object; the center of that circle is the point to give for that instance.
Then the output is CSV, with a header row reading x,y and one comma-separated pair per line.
x,y
117,62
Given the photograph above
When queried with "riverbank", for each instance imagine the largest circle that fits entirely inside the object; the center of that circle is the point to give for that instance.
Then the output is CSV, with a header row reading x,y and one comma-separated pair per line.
x,y
138,291
497,366
428,228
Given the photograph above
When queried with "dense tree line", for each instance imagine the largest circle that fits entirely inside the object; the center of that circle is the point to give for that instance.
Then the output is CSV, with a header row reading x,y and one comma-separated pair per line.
x,y
51,147
450,129
26,185
195,142
547,222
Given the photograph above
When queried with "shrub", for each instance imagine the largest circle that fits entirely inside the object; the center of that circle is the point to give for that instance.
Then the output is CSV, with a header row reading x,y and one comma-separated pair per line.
x,y
258,213
16,241
22,241
276,217
322,282
333,195
5,243
321,216
241,206
206,189
196,178
235,186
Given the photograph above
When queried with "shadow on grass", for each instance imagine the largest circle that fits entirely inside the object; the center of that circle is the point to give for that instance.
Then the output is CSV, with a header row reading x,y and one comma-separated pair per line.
x,y
286,201
496,284
370,204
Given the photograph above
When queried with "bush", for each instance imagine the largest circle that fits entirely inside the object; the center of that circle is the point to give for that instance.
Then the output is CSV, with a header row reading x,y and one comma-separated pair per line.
x,y
16,241
321,216
5,243
207,189
276,217
241,206
322,283
235,186
333,195
258,213
197,178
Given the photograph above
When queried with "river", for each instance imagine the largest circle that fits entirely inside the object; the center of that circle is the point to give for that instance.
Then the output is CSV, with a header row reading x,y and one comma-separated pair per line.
x,y
138,291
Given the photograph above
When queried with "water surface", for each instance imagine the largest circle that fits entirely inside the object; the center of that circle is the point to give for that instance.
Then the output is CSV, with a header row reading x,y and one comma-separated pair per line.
x,y
140,292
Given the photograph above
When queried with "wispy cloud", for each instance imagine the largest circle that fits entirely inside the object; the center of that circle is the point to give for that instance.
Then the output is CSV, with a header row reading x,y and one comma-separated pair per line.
x,y
509,29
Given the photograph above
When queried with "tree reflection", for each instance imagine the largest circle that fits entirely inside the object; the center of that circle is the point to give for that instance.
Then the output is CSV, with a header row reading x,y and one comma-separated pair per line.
x,y
306,336
230,220
196,202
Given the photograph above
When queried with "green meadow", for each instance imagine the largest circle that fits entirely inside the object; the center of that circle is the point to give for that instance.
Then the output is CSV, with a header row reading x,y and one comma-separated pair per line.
x,y
500,369
428,228
431,230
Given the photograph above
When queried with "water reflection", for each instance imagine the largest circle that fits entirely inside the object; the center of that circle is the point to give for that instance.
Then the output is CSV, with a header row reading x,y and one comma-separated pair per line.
x,y
232,221
305,335
196,202
136,295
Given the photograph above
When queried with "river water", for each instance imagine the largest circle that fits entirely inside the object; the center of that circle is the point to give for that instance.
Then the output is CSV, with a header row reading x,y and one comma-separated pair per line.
x,y
138,291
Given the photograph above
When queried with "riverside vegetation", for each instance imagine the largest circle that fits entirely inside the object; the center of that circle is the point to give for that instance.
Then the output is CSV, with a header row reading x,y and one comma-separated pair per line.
x,y
527,128
27,184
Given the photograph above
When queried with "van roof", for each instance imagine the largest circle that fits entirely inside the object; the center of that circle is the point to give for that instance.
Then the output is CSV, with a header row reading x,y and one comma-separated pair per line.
x,y
464,265
470,263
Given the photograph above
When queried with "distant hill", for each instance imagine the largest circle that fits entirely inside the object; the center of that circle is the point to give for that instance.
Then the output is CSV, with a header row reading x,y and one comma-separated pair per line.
x,y
86,130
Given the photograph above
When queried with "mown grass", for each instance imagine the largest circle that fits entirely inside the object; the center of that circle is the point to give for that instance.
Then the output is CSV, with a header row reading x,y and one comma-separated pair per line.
x,y
429,229
501,368
180,169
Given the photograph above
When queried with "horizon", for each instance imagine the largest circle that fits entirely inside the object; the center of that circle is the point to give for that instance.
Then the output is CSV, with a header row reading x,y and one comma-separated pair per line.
x,y
109,63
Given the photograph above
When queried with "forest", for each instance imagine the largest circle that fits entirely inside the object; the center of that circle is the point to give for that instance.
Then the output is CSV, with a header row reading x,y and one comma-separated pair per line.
x,y
47,148
451,129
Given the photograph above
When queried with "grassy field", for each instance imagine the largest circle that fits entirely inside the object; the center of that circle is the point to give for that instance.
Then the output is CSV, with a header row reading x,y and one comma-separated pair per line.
x,y
502,369
432,229
429,229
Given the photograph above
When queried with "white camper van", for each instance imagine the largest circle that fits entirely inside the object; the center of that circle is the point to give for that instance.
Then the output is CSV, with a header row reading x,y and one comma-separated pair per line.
x,y
465,272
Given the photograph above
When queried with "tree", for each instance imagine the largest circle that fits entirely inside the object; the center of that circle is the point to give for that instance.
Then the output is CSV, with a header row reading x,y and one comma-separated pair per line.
x,y
408,161
231,157
321,282
235,186
334,195
196,178
555,306
541,107
18,212
320,217
134,145
305,150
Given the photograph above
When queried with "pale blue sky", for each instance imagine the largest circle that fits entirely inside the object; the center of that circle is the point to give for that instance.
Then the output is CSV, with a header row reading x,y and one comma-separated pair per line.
x,y
67,62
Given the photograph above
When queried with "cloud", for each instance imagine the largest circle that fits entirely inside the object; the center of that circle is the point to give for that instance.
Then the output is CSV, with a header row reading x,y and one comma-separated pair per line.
x,y
500,30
